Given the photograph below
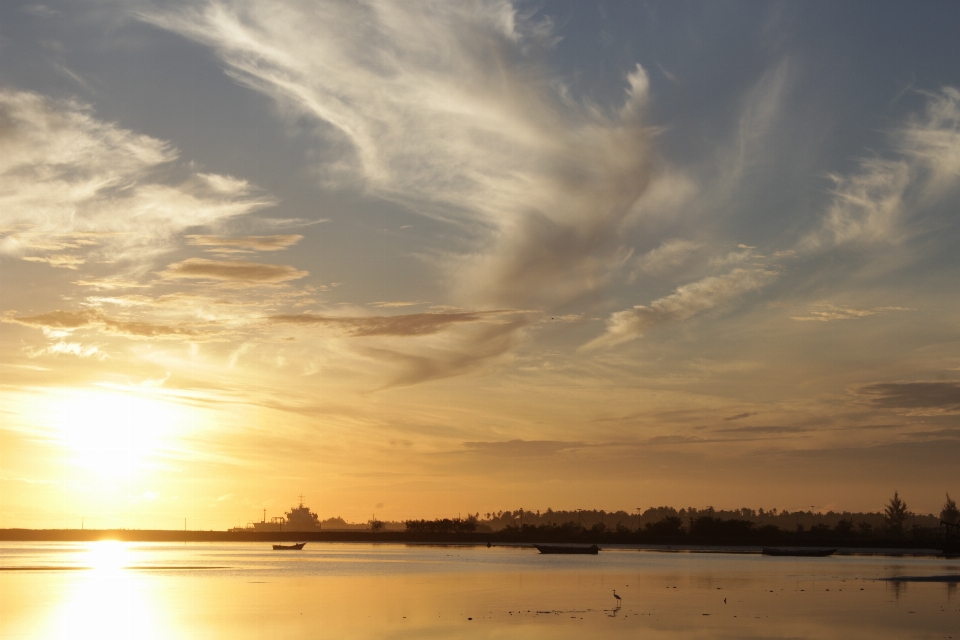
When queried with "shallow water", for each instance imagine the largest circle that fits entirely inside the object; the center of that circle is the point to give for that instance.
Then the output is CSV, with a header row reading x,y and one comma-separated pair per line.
x,y
240,591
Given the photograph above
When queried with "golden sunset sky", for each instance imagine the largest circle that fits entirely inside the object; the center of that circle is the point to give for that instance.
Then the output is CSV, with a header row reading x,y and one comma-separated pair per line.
x,y
426,258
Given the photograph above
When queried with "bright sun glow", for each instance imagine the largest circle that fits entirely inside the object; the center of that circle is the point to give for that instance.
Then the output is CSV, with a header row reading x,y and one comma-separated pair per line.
x,y
109,603
113,434
107,555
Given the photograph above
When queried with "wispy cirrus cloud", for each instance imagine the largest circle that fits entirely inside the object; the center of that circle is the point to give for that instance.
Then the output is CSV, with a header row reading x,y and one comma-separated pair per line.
x,y
63,347
671,254
832,313
393,304
687,301
76,190
60,323
867,206
414,324
522,448
232,271
450,109
932,139
243,244
741,416
57,260
872,205
915,397
766,429
414,348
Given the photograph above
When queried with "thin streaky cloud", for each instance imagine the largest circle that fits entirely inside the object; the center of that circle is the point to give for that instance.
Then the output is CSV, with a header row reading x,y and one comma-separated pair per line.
x,y
415,324
831,313
231,270
940,396
453,131
687,301
62,322
226,244
874,204
69,180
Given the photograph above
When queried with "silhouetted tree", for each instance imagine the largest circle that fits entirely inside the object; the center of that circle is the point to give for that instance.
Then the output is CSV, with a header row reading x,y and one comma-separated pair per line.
x,y
950,513
716,529
844,527
668,528
896,513
442,525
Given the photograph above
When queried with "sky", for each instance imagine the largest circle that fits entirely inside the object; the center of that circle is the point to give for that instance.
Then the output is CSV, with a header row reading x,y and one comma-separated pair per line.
x,y
421,259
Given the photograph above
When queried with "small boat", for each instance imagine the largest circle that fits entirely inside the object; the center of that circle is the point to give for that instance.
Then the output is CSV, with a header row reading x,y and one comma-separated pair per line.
x,y
568,548
289,547
798,553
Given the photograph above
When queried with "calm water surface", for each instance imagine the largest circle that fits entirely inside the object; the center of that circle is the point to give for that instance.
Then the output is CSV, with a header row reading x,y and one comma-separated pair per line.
x,y
239,591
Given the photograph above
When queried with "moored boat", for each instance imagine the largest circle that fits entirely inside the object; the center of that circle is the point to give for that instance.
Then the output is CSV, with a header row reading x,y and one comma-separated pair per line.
x,y
568,548
289,547
799,553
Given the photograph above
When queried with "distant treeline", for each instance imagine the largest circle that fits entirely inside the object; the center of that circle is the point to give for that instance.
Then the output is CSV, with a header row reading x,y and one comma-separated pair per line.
x,y
895,526
782,519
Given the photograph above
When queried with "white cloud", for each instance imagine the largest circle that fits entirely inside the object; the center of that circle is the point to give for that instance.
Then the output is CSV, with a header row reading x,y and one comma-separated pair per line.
x,y
243,244
75,189
670,255
934,141
69,348
448,108
686,302
831,313
871,206
866,206
407,349
232,271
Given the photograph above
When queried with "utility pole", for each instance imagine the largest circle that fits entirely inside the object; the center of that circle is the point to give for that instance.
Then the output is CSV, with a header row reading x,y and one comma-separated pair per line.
x,y
638,518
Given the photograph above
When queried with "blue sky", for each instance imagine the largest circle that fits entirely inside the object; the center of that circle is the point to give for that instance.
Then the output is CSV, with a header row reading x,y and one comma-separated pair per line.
x,y
436,257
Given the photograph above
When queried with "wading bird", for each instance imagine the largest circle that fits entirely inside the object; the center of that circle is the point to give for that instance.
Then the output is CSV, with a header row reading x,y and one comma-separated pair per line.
x,y
617,597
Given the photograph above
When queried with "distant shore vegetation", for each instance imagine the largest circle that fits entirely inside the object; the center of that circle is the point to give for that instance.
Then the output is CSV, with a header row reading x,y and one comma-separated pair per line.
x,y
669,521
666,523
895,526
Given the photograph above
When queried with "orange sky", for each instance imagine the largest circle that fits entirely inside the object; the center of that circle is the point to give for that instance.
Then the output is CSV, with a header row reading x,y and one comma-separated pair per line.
x,y
419,261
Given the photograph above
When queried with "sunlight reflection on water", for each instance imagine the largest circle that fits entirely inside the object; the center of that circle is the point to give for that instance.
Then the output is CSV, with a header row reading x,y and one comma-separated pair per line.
x,y
108,603
341,590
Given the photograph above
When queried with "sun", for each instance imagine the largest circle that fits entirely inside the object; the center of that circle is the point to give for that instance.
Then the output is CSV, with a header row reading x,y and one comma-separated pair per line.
x,y
113,434
108,555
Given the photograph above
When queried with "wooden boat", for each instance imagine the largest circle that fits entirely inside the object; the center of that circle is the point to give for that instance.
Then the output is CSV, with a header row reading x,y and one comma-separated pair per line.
x,y
289,547
799,553
567,548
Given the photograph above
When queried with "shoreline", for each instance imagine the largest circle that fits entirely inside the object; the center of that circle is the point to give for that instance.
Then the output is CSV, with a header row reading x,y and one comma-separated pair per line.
x,y
402,537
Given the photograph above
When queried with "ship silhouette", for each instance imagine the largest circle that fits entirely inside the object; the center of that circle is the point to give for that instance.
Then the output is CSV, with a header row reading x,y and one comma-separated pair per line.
x,y
299,518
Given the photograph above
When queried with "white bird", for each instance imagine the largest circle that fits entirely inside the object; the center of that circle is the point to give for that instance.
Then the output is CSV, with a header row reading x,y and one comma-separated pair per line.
x,y
617,597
